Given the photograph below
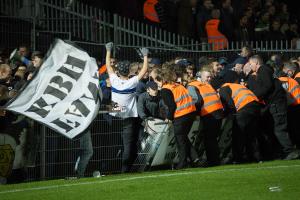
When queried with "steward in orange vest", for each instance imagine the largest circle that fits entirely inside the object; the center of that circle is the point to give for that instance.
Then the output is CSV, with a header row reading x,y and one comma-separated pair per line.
x,y
243,104
292,89
181,113
214,36
150,11
184,102
210,108
297,77
210,101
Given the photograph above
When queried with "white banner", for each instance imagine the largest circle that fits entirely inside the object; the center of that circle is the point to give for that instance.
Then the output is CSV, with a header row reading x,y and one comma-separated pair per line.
x,y
158,147
64,94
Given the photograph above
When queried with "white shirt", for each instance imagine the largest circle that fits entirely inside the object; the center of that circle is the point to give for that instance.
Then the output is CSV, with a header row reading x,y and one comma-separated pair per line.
x,y
124,93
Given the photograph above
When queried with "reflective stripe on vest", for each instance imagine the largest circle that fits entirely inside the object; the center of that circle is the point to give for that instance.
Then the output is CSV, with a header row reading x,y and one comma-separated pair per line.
x,y
150,12
241,95
297,75
293,90
211,100
214,36
184,102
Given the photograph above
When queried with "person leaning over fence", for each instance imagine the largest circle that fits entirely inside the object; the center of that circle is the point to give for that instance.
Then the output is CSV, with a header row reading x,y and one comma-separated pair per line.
x,y
124,93
181,113
210,109
240,102
269,89
148,102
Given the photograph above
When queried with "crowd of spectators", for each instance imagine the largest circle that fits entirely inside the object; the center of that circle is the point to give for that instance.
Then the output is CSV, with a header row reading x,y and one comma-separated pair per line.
x,y
240,20
273,109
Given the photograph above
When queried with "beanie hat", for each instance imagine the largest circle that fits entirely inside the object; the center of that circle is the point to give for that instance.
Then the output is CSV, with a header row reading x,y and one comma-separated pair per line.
x,y
123,67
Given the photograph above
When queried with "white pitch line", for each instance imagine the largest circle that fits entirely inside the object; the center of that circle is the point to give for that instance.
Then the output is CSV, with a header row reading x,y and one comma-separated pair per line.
x,y
146,177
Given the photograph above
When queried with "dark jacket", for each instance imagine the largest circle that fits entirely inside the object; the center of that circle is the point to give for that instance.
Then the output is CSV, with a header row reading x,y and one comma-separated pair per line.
x,y
266,87
148,106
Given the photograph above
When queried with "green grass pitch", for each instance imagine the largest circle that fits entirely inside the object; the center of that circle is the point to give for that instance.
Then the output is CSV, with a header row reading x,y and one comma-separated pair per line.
x,y
270,180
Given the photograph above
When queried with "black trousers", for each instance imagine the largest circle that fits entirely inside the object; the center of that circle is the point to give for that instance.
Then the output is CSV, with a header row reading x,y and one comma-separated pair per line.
x,y
278,112
245,132
210,131
293,124
130,138
182,126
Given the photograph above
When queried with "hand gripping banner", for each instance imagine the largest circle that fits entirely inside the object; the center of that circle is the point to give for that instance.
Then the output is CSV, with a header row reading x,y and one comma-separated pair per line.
x,y
64,94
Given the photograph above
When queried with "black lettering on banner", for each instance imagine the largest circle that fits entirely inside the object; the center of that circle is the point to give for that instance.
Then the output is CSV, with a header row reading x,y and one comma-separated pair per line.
x,y
70,73
67,127
79,105
75,62
41,103
94,91
55,91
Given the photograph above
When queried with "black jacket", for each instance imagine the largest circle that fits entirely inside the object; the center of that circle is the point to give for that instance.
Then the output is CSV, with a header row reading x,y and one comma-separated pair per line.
x,y
148,106
266,87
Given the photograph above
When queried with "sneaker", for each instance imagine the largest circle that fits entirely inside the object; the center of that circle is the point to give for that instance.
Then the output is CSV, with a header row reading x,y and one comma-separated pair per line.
x,y
292,155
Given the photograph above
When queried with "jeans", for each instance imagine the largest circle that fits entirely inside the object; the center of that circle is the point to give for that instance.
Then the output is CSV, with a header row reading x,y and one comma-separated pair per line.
x,y
130,139
85,152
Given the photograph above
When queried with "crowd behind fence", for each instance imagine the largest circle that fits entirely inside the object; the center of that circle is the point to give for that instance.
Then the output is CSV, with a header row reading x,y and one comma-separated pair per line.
x,y
56,154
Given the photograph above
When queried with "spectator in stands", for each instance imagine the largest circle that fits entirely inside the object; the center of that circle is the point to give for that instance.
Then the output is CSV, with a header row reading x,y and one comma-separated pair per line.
x,y
262,27
180,113
123,93
251,21
292,32
243,105
268,89
283,14
154,13
275,34
242,33
214,30
227,18
186,25
203,15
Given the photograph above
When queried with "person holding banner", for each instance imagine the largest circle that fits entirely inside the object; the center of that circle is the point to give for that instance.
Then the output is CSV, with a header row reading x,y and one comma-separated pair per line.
x,y
124,94
181,113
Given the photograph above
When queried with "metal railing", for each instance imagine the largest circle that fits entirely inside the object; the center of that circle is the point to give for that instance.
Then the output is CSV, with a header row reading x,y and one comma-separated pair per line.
x,y
89,24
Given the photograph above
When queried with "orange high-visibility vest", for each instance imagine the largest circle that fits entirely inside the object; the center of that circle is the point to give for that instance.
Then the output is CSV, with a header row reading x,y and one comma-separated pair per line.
x,y
150,12
241,95
184,102
102,69
214,36
297,75
211,100
293,90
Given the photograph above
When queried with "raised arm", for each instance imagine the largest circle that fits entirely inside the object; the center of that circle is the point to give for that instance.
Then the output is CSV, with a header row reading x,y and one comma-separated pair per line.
x,y
144,69
109,47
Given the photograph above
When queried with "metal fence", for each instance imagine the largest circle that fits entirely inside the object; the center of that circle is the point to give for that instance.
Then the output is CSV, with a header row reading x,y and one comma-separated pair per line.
x,y
57,155
85,23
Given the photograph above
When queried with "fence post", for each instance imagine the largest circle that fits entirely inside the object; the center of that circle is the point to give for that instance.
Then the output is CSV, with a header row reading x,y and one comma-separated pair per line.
x,y
43,153
115,34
